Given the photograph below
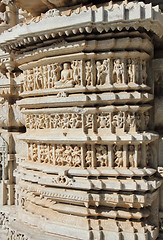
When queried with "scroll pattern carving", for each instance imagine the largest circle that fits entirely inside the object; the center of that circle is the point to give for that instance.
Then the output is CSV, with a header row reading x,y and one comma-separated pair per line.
x,y
71,74
95,155
127,121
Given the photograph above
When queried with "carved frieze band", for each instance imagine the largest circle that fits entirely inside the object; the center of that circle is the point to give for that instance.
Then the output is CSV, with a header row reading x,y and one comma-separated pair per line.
x,y
124,121
81,73
91,155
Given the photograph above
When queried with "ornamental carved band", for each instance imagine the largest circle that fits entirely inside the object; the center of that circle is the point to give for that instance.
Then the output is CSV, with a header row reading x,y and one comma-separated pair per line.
x,y
81,73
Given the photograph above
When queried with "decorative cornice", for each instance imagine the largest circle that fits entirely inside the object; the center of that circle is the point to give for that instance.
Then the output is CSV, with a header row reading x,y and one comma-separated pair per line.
x,y
133,15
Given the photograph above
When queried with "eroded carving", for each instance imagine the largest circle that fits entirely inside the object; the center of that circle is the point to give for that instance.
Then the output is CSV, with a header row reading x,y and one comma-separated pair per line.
x,y
118,71
101,155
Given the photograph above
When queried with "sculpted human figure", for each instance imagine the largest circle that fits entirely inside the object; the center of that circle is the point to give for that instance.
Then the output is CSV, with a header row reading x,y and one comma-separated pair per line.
x,y
119,156
101,71
54,74
66,77
29,80
88,73
38,76
45,76
118,71
67,73
130,120
131,155
102,156
131,71
77,70
76,156
88,158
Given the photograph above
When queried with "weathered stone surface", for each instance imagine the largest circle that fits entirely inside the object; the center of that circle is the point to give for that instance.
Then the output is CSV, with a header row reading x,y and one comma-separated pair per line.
x,y
80,122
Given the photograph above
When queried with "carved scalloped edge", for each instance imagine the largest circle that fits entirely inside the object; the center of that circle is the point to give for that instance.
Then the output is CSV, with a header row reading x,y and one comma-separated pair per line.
x,y
130,16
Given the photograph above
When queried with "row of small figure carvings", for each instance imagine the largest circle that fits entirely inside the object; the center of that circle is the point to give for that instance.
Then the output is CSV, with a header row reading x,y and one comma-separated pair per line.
x,y
126,121
85,73
97,155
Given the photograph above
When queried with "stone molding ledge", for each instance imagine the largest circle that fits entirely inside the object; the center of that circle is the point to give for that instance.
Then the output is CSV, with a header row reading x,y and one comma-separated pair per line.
x,y
132,15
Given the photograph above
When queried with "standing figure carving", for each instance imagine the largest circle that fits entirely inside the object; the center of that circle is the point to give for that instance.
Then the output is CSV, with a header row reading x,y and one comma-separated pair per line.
x,y
118,71
77,71
118,156
102,71
88,73
131,155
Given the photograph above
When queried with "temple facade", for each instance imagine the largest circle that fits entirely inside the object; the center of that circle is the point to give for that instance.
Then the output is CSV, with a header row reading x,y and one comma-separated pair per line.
x,y
81,120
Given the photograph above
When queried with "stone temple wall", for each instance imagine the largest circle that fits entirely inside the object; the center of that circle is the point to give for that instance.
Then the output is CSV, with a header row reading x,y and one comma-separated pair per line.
x,y
81,120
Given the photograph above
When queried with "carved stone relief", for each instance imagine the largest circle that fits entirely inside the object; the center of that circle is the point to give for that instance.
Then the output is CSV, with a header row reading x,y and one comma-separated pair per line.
x,y
97,155
125,121
70,74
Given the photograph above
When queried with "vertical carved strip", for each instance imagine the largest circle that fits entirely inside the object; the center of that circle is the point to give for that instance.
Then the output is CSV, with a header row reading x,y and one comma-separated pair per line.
x,y
124,75
125,155
111,120
83,82
38,147
53,147
93,155
94,123
31,147
83,123
110,156
136,160
144,155
48,148
83,153
93,72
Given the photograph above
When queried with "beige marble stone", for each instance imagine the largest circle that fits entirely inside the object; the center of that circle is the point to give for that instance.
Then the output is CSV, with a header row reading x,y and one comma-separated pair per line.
x,y
81,120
